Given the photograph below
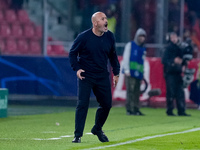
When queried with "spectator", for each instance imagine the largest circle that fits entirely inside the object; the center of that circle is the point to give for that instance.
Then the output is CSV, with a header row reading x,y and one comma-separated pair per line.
x,y
195,40
16,4
133,59
187,34
174,15
112,21
144,16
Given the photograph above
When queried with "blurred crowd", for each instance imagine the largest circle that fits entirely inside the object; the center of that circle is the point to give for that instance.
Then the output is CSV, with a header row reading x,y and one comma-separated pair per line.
x,y
143,14
192,24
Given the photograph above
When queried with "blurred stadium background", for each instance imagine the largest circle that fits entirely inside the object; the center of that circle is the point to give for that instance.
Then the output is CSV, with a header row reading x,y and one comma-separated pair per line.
x,y
36,36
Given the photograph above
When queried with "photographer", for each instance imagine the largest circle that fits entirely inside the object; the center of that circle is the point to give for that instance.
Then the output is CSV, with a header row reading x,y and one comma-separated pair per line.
x,y
173,68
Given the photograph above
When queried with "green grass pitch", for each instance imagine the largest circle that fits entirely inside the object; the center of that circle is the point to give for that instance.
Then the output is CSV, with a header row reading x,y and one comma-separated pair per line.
x,y
54,131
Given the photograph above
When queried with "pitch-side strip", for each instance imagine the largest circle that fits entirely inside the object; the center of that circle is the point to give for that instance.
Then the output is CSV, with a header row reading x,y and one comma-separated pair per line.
x,y
143,139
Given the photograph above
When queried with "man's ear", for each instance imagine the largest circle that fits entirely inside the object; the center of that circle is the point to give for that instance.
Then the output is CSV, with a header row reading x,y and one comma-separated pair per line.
x,y
95,23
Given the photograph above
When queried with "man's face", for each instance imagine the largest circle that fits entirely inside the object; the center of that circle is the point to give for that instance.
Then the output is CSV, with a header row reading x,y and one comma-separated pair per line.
x,y
141,39
174,38
101,22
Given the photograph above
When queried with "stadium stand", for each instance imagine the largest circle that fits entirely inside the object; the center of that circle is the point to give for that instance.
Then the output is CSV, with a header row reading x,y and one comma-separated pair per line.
x,y
1,16
10,16
5,30
11,46
23,46
29,31
35,47
23,16
2,45
16,30
20,36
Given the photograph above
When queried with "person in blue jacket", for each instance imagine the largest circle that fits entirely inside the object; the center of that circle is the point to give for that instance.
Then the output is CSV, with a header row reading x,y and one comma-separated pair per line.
x,y
89,57
133,68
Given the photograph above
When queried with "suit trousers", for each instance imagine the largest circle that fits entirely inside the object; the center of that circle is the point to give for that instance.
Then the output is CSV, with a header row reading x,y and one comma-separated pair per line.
x,y
102,90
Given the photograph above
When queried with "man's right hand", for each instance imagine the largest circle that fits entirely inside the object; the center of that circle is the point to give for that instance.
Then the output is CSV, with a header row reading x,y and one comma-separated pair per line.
x,y
79,74
178,60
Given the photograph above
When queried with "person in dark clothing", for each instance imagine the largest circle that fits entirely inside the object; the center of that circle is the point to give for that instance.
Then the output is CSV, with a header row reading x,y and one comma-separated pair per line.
x,y
16,4
94,47
173,68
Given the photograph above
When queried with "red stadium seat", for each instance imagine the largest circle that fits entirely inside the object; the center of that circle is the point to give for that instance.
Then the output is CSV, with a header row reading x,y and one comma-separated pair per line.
x,y
23,16
59,50
35,47
16,30
5,30
23,46
29,31
38,32
3,4
2,46
49,48
11,47
1,16
10,16
50,51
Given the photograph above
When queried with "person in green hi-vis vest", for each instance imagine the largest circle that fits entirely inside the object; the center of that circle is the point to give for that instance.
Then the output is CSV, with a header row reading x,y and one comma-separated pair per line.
x,y
133,68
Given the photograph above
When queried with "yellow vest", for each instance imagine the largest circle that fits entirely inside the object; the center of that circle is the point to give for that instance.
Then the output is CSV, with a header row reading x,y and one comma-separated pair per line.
x,y
112,24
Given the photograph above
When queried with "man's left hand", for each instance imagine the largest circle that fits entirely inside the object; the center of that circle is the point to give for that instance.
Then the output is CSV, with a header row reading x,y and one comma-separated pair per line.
x,y
115,80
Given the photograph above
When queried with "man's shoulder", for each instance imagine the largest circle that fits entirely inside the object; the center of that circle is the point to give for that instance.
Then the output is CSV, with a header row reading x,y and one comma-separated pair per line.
x,y
109,33
84,33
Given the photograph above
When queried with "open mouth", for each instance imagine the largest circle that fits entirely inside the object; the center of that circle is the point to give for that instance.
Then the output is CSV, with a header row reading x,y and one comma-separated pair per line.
x,y
106,25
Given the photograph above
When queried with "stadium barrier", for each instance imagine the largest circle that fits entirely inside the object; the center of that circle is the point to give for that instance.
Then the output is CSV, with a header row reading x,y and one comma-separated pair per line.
x,y
53,77
153,74
3,102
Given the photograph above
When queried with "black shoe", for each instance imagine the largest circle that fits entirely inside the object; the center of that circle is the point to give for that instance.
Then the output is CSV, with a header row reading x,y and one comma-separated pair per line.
x,y
128,112
100,134
137,113
184,114
77,140
171,114
140,113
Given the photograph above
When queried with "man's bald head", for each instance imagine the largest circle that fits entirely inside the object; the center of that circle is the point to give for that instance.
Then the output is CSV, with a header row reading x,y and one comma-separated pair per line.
x,y
100,23
96,16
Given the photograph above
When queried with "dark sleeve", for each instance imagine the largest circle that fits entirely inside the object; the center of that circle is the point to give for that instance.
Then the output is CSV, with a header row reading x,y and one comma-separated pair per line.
x,y
168,62
114,59
74,51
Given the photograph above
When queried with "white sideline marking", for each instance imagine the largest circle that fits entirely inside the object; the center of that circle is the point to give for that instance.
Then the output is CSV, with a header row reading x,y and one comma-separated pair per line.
x,y
37,139
49,132
53,138
88,133
66,136
60,137
143,139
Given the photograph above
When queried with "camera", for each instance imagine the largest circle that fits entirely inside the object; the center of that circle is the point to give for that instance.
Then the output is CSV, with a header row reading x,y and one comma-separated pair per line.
x,y
188,77
187,52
